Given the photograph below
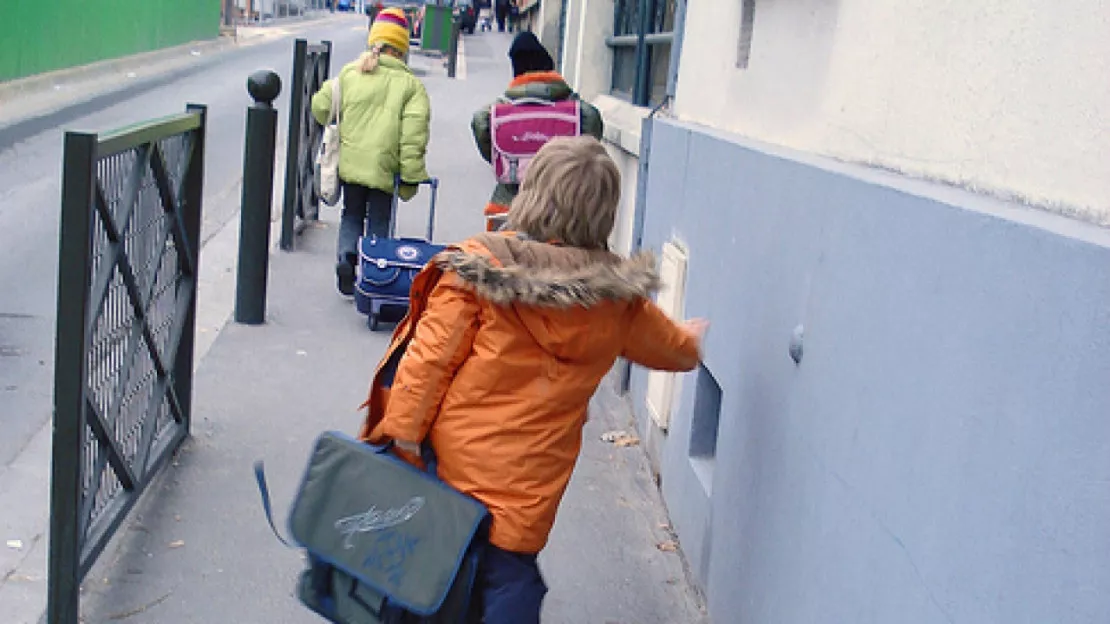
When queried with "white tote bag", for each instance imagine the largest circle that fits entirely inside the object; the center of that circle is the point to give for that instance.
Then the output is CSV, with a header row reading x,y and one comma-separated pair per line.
x,y
327,160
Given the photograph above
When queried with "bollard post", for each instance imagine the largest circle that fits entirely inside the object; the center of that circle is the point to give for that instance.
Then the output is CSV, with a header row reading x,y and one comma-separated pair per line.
x,y
453,48
258,196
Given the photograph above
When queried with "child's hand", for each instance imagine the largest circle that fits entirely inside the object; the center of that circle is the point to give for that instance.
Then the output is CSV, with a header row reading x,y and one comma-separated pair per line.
x,y
696,328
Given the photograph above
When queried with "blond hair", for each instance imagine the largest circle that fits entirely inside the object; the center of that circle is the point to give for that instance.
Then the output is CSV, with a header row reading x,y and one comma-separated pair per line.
x,y
570,194
369,60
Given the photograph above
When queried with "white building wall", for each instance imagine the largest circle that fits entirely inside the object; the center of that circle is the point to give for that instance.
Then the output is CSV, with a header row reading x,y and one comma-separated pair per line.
x,y
588,68
546,25
1008,97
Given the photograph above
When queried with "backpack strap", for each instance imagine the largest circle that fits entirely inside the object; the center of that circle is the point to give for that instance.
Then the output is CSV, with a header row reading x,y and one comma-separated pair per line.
x,y
526,100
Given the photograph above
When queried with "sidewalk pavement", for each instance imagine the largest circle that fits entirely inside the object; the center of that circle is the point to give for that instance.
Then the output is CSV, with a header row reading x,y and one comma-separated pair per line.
x,y
197,549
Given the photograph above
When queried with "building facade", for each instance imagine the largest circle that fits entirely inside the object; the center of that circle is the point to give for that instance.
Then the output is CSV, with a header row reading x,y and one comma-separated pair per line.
x,y
895,217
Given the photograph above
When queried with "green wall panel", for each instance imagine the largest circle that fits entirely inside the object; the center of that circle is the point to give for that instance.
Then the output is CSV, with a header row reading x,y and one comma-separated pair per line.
x,y
42,35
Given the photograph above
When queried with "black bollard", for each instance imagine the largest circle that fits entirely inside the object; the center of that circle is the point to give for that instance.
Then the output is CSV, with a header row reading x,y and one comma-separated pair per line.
x,y
258,196
453,48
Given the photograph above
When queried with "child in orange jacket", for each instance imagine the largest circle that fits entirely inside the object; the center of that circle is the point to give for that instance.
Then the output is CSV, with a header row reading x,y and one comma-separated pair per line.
x,y
508,336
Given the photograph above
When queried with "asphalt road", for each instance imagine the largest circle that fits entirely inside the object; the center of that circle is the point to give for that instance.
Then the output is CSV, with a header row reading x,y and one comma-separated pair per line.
x,y
30,180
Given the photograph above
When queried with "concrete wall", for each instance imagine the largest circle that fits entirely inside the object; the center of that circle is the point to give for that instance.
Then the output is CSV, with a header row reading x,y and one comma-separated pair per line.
x,y
942,452
41,36
1004,96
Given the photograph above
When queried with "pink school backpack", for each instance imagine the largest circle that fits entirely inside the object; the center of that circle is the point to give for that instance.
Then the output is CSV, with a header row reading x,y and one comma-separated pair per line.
x,y
519,128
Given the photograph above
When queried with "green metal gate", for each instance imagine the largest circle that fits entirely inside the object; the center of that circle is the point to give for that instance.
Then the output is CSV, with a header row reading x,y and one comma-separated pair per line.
x,y
123,368
311,68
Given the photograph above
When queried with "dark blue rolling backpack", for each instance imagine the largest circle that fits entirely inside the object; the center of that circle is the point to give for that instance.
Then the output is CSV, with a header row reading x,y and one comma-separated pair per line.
x,y
387,266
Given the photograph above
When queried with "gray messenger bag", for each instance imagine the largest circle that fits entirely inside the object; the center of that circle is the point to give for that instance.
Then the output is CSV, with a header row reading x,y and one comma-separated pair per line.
x,y
385,542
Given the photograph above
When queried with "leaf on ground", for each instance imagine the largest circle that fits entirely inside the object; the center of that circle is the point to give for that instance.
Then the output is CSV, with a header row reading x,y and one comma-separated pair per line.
x,y
177,544
620,439
15,544
667,546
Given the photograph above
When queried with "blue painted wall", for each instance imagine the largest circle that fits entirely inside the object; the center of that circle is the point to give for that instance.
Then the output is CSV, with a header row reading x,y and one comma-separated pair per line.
x,y
942,452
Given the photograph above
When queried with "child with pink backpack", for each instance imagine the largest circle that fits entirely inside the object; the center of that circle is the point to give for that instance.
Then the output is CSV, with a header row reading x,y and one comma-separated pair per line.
x,y
537,106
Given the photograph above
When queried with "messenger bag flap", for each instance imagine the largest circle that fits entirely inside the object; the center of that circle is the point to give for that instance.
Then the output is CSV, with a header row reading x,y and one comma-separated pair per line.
x,y
384,522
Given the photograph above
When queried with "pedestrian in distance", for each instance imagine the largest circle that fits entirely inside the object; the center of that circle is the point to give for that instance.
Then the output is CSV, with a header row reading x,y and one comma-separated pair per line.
x,y
534,78
501,12
384,119
514,16
509,335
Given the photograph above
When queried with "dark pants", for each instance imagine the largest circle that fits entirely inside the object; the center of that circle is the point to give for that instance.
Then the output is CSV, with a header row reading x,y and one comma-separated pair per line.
x,y
510,588
362,204
501,13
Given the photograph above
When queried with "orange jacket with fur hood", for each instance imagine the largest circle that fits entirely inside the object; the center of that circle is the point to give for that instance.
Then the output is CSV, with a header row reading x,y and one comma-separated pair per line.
x,y
506,341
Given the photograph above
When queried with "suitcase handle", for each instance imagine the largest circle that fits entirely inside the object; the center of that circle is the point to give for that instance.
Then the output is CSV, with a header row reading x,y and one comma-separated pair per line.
x,y
434,184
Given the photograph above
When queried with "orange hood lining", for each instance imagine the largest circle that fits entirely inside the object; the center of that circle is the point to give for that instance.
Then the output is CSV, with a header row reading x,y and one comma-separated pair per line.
x,y
535,77
495,276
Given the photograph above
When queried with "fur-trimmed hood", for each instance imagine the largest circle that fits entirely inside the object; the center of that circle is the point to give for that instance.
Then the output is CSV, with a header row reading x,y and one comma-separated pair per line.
x,y
518,270
505,389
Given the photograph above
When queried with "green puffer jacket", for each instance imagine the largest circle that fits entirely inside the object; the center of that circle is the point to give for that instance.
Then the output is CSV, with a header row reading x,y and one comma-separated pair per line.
x,y
548,86
383,125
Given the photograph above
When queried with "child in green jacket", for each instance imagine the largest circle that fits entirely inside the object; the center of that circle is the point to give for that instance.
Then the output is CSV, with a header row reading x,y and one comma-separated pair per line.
x,y
384,125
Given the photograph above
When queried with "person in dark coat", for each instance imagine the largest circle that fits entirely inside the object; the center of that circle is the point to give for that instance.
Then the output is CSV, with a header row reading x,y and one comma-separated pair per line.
x,y
501,12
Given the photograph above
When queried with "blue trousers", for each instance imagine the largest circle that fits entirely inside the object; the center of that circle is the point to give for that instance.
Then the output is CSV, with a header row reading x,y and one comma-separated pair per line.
x,y
362,204
510,587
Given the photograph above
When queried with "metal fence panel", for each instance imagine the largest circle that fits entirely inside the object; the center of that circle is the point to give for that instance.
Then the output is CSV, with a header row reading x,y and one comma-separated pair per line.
x,y
311,67
131,209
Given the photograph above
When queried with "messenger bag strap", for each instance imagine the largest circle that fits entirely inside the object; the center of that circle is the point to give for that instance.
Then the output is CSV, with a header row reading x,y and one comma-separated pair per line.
x,y
427,455
264,490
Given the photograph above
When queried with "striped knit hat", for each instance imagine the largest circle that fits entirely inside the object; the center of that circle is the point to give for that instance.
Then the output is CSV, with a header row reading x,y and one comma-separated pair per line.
x,y
391,28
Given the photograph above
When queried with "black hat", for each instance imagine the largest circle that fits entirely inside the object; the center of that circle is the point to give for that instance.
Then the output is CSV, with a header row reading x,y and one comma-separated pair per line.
x,y
528,55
